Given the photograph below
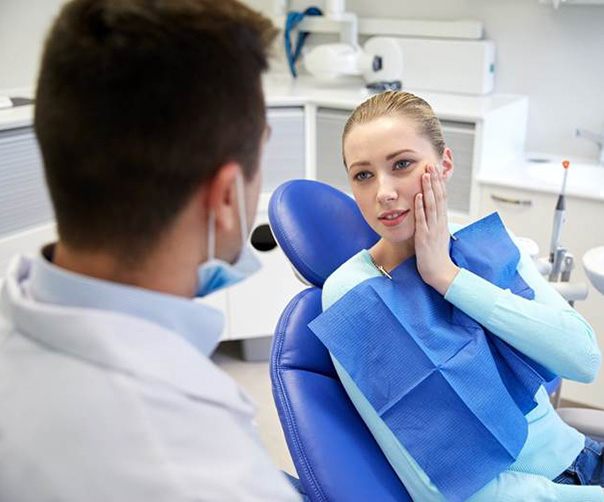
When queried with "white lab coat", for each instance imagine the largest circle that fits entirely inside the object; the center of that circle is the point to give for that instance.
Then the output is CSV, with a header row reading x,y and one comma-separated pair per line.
x,y
101,406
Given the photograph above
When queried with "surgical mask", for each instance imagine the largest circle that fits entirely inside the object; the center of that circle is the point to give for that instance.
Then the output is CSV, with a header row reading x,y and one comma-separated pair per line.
x,y
216,274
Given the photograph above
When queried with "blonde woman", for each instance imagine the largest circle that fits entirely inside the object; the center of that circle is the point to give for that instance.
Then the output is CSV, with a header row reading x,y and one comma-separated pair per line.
x,y
398,166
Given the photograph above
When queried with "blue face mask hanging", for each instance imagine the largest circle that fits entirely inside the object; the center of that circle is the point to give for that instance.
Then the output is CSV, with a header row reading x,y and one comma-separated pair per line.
x,y
216,274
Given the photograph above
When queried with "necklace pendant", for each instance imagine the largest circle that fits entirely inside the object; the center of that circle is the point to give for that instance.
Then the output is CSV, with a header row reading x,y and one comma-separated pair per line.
x,y
383,271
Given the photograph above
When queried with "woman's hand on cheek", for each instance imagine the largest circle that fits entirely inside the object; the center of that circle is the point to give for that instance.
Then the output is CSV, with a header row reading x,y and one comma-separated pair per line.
x,y
432,233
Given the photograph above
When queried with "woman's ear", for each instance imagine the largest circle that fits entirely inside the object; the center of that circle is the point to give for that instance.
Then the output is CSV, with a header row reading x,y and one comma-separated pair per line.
x,y
447,163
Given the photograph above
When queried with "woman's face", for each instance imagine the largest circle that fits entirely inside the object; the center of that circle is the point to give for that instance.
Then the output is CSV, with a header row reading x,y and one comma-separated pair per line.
x,y
385,159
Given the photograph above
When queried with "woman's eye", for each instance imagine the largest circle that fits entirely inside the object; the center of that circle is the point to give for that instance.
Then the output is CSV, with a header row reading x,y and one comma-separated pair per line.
x,y
402,164
362,176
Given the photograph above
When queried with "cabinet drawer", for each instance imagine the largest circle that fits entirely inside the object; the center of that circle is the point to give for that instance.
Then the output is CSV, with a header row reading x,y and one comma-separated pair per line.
x,y
459,137
25,200
283,155
526,214
330,166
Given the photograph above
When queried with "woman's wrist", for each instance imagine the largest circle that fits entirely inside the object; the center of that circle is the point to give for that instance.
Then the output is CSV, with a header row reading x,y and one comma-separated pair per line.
x,y
444,279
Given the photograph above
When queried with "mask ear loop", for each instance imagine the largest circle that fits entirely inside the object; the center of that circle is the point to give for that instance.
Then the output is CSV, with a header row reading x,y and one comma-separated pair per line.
x,y
242,215
211,235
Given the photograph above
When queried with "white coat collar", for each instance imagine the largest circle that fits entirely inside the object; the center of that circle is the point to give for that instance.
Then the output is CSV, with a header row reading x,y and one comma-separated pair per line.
x,y
120,341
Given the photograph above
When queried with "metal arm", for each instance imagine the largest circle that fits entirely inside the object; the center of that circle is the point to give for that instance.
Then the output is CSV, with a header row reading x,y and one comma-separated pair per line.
x,y
598,139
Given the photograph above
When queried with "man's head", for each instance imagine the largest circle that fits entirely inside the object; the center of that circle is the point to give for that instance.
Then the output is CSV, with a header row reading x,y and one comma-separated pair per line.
x,y
141,102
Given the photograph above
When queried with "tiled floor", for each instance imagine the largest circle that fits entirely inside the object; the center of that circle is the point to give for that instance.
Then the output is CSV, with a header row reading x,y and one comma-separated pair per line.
x,y
254,378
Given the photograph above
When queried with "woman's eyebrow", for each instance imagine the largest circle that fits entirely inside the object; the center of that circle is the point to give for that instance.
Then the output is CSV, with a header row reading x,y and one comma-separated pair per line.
x,y
360,163
363,163
404,150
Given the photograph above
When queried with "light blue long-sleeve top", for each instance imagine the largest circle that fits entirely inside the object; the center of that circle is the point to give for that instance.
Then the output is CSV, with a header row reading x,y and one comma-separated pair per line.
x,y
546,329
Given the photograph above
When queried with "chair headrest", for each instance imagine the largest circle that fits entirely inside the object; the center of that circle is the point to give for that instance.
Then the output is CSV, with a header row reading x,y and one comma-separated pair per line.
x,y
318,227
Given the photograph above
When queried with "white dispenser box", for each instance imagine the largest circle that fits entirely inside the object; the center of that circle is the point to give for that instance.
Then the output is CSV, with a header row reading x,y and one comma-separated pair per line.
x,y
444,65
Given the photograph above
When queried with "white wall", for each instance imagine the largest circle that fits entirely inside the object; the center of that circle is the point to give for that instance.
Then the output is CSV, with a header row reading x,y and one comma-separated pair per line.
x,y
556,57
23,27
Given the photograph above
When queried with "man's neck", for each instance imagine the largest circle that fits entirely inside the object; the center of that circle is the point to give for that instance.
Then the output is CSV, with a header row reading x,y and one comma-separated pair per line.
x,y
160,271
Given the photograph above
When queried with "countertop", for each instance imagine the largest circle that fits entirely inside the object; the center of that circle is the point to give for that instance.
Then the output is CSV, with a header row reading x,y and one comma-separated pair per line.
x,y
282,90
544,173
18,116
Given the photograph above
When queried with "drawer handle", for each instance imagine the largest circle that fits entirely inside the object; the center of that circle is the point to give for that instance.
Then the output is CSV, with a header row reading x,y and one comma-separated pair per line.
x,y
516,202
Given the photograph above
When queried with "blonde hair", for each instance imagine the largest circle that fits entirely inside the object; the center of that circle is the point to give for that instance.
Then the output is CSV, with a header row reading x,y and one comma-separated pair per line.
x,y
393,103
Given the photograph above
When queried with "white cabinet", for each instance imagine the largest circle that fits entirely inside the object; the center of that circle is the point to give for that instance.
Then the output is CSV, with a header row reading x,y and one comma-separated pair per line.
x,y
25,201
530,214
330,163
283,155
26,218
459,136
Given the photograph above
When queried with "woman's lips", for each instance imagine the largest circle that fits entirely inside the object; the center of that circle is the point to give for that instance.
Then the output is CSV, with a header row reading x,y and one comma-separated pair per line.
x,y
393,218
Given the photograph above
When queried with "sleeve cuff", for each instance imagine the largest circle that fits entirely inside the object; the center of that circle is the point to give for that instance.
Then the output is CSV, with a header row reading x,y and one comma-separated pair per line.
x,y
473,295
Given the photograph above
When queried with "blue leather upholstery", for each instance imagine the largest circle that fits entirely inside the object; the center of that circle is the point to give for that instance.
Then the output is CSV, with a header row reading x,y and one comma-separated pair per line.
x,y
552,386
300,205
335,455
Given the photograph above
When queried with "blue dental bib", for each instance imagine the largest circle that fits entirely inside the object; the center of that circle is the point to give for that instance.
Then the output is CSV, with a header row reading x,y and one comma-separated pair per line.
x,y
453,394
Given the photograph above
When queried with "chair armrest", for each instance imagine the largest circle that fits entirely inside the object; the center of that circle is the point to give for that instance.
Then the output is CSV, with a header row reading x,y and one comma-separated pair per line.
x,y
589,422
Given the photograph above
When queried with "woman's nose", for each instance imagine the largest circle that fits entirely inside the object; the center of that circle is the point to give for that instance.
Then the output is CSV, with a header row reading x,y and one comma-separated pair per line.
x,y
386,192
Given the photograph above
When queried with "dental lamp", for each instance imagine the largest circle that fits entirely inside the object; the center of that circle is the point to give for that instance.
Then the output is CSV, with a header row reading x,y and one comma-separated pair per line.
x,y
379,62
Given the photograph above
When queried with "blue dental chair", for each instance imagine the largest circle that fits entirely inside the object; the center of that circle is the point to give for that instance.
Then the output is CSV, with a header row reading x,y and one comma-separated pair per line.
x,y
334,453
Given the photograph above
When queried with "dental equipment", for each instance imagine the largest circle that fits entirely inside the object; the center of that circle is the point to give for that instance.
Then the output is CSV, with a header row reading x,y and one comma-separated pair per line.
x,y
293,52
556,252
380,62
598,139
561,260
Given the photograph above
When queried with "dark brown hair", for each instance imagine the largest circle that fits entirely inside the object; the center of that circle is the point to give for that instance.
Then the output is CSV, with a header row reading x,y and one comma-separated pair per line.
x,y
138,103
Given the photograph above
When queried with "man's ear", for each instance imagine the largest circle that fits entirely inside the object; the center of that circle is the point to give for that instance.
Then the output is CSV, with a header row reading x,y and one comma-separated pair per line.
x,y
447,163
222,197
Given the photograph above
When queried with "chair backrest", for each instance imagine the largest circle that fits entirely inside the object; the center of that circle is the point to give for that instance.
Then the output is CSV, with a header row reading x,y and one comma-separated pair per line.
x,y
335,455
318,227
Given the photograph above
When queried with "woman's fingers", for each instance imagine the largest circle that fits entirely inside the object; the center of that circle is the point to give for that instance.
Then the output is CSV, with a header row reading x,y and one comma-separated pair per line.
x,y
438,187
421,226
429,200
